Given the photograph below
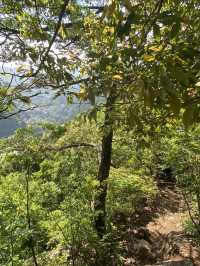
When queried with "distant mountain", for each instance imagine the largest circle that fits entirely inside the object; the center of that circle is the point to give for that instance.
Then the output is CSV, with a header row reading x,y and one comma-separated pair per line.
x,y
53,109
8,126
49,109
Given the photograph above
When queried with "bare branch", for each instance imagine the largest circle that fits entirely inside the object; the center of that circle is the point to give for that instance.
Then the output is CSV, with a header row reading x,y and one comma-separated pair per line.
x,y
69,146
6,116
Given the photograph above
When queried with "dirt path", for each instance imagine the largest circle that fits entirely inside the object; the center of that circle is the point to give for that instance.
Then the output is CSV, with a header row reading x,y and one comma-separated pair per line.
x,y
171,213
171,246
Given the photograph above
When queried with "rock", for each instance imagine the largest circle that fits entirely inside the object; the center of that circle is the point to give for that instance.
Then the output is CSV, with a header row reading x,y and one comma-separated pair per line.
x,y
143,251
130,262
143,233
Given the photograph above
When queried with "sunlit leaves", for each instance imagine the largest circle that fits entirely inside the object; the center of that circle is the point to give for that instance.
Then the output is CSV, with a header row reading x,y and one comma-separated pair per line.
x,y
197,84
117,77
114,45
156,49
149,58
62,32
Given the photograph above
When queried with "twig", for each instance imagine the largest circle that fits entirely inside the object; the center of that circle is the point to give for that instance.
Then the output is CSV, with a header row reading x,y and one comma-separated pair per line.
x,y
190,213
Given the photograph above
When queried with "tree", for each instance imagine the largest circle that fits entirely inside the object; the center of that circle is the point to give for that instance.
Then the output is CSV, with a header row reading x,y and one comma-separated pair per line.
x,y
136,56
132,53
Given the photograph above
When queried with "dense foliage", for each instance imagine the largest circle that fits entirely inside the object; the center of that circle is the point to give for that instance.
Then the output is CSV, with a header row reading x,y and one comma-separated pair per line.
x,y
65,189
48,189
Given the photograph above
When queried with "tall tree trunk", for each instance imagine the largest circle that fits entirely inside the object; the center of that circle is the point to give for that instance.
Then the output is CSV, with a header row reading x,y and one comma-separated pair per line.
x,y
104,167
31,243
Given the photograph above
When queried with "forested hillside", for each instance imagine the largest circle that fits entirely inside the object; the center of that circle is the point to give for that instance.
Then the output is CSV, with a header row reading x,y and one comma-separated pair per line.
x,y
48,190
118,184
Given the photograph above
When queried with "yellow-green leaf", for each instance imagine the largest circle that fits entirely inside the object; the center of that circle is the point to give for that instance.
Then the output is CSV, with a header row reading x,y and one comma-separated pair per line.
x,y
21,68
156,48
62,32
149,58
117,77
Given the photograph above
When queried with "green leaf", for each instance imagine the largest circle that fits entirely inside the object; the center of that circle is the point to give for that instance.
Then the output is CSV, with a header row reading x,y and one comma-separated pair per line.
x,y
25,99
181,76
117,77
21,68
91,96
149,58
106,90
156,30
156,48
188,116
167,18
128,5
70,99
175,104
62,32
175,30
148,97
108,11
132,18
93,114
140,83
124,29
174,101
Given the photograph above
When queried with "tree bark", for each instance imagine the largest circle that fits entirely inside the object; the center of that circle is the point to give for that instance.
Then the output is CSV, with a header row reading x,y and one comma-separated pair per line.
x,y
104,166
31,243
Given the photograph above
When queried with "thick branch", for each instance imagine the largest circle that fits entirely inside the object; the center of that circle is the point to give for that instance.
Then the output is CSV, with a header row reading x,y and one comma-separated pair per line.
x,y
69,146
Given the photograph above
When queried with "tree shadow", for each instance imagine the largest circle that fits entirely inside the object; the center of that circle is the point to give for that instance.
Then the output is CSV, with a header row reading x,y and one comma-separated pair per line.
x,y
132,228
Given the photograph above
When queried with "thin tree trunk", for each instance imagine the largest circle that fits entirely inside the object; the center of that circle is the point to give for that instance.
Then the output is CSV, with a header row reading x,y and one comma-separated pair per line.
x,y
31,244
12,247
198,206
104,167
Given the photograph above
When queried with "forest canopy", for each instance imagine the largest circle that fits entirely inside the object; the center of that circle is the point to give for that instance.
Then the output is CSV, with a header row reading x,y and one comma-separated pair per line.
x,y
69,188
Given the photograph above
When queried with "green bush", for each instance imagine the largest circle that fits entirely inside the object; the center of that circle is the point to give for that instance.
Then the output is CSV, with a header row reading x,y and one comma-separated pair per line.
x,y
126,190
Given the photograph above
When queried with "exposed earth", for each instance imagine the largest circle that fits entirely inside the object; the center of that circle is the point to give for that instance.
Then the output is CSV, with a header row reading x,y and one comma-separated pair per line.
x,y
162,241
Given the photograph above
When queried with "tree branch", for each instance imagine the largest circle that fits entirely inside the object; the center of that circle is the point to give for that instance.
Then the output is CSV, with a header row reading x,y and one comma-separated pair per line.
x,y
6,116
61,15
69,146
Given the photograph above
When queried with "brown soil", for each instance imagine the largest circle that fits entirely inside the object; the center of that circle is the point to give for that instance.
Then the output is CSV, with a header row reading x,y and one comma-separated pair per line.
x,y
169,241
169,245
